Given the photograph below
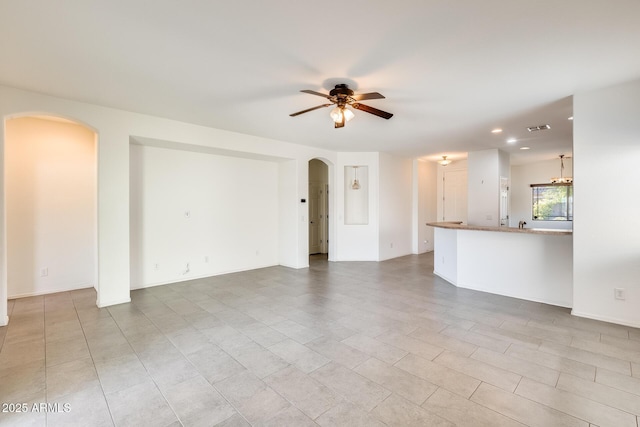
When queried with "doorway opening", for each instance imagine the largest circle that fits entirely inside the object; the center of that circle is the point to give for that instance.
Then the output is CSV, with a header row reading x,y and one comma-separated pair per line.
x,y
50,193
318,210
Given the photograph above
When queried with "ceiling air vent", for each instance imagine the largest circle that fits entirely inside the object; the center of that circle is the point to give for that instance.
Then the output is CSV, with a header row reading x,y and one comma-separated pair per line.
x,y
537,128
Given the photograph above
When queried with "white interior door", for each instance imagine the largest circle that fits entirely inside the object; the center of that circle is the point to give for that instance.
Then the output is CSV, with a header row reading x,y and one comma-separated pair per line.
x,y
454,196
324,220
315,218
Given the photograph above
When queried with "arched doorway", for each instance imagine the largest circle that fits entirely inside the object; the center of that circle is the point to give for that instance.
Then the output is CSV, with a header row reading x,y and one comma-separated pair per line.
x,y
50,202
318,210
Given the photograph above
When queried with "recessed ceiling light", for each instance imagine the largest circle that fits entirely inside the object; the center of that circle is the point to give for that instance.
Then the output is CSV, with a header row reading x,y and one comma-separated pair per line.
x,y
524,148
496,130
570,118
512,140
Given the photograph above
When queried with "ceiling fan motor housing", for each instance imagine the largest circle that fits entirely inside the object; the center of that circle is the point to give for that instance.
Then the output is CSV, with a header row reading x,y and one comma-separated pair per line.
x,y
341,91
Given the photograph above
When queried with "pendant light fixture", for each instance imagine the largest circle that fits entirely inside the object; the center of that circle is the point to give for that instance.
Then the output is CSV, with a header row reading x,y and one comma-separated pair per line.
x,y
563,179
444,161
356,184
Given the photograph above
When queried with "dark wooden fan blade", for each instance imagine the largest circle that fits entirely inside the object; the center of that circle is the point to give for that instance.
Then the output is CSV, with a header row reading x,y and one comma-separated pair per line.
x,y
373,111
365,96
309,109
313,92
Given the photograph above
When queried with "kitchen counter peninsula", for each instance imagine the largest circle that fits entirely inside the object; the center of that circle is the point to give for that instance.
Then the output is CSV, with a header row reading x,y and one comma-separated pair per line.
x,y
531,264
458,225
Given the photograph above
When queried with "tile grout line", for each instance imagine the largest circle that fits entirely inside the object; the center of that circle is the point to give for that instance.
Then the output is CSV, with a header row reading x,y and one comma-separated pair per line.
x,y
104,396
189,361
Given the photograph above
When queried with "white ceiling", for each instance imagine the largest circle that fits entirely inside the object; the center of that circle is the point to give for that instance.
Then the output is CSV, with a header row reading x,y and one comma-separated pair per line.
x,y
451,69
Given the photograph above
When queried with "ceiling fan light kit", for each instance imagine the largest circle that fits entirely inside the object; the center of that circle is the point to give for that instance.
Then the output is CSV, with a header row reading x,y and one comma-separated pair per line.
x,y
341,96
341,114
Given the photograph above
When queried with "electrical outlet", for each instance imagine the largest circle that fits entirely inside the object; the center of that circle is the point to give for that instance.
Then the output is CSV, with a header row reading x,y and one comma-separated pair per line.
x,y
619,293
206,259
156,266
391,245
44,272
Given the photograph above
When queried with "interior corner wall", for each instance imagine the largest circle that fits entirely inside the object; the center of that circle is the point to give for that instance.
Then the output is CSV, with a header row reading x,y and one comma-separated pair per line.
x,y
197,215
396,203
51,206
287,205
606,230
483,188
521,201
424,205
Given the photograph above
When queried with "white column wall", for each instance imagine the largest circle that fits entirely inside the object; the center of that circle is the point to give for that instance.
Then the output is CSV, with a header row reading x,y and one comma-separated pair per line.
x,y
396,203
357,242
606,148
424,205
483,188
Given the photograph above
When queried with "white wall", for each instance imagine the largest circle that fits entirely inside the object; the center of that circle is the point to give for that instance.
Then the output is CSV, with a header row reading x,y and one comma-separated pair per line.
x,y
289,217
424,205
51,206
357,242
215,214
114,129
606,144
396,206
484,188
522,176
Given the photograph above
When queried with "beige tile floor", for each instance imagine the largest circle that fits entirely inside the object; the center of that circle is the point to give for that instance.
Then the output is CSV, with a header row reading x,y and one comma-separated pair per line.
x,y
352,344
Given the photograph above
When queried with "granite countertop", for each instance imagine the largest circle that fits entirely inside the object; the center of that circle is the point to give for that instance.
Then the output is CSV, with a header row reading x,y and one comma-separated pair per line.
x,y
456,225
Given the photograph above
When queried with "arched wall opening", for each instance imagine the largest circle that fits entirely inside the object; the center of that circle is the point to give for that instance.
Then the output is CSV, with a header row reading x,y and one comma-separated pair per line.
x,y
320,204
50,202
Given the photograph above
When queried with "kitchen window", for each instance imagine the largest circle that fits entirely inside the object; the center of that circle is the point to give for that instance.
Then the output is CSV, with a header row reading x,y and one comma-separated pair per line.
x,y
552,202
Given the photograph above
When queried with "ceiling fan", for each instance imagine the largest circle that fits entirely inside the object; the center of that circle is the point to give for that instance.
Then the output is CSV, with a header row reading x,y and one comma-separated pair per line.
x,y
341,96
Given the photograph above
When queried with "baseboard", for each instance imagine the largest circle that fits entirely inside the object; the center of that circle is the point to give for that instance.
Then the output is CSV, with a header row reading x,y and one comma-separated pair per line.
x,y
442,276
605,319
51,291
4,321
515,296
114,302
205,276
